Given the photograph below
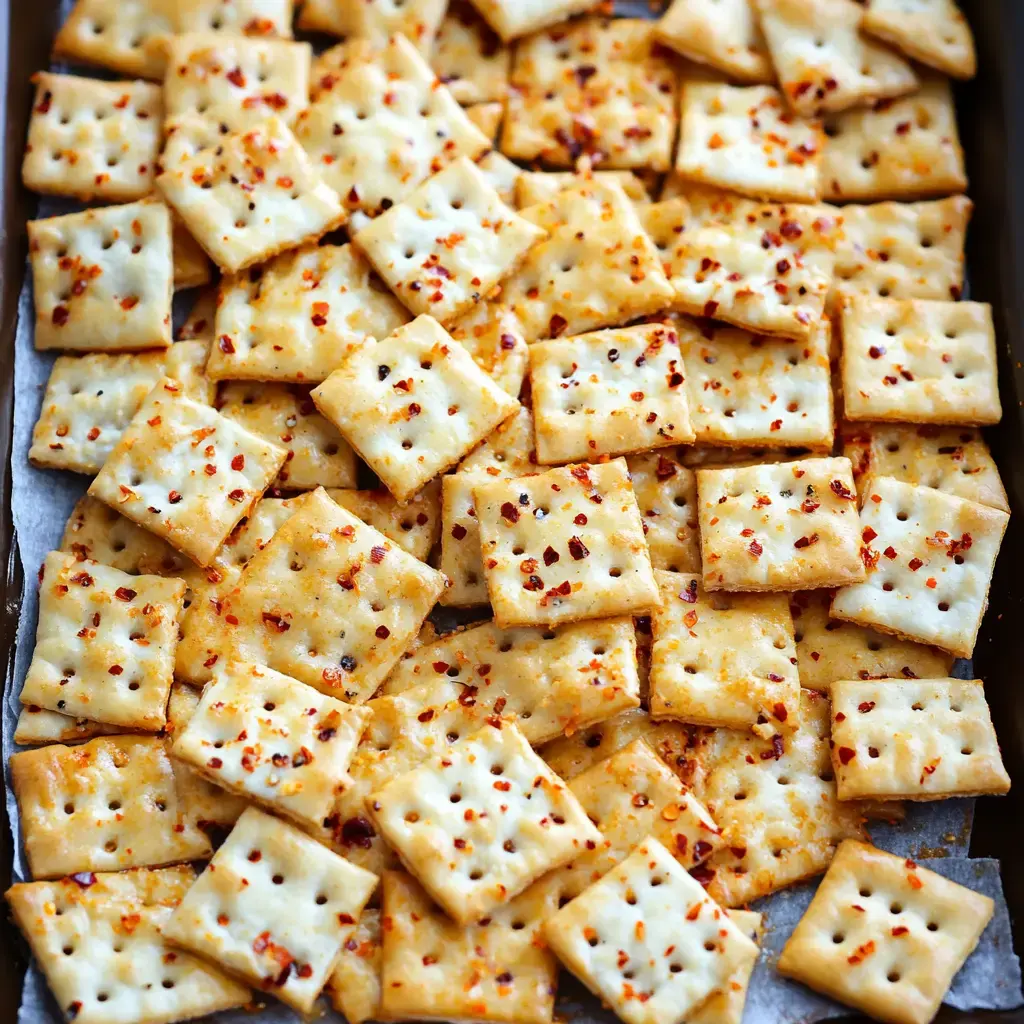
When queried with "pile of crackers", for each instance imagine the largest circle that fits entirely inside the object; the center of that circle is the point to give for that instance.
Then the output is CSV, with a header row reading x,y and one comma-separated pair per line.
x,y
713,460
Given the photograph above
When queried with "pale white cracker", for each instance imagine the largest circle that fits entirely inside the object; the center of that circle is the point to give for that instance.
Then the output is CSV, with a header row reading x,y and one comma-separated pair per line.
x,y
935,32
514,18
884,935
190,133
666,494
273,907
726,1005
413,404
501,172
647,939
787,526
914,740
919,361
469,58
542,186
36,727
723,659
185,472
898,149
192,267
930,558
97,939
524,822
92,139
102,278
415,526
492,334
109,804
237,17
198,325
300,315
382,123
564,545
376,21
602,88
448,243
268,737
744,138
354,985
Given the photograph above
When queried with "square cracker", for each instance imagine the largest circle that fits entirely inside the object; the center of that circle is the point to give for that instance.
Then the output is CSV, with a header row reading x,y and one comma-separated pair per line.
x,y
354,986
102,278
788,526
600,87
898,149
914,740
666,494
744,138
934,32
448,243
109,804
919,361
273,907
266,736
930,558
775,801
382,123
37,727
524,823
648,940
495,970
822,60
375,20
751,389
884,935
514,18
553,681
192,267
827,649
487,117
300,315
492,334
726,1006
185,472
104,643
92,139
413,404
281,414
608,393
128,37
951,459
469,58
723,659
329,601
534,187
726,36
90,399
98,936
564,545
237,17
414,526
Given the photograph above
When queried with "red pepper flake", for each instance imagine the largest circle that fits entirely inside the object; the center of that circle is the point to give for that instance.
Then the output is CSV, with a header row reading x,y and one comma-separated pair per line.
x,y
914,564
778,709
225,344
458,531
377,554
755,549
534,583
806,542
876,351
580,520
550,555
931,582
556,325
862,952
382,632
238,463
276,622
60,316
509,512
578,549
890,552
846,754
689,593
236,495
840,490
236,77
868,535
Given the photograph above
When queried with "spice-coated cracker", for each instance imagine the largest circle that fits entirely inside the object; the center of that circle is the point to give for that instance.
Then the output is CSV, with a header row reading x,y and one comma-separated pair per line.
x,y
524,823
914,740
500,172
469,58
237,17
415,526
542,186
726,1005
743,138
413,404
666,494
564,545
185,472
354,985
104,644
102,278
192,267
448,243
603,88
487,117
884,935
97,939
300,315
648,939
188,134
198,325
934,33
930,558
109,804
492,334
252,196
919,361
375,20
36,727
514,18
272,907
789,526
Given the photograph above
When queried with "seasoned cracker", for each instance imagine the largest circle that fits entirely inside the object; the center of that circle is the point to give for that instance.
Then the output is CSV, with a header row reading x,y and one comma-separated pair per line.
x,y
102,278
602,88
542,186
928,553
492,334
487,117
666,494
564,545
412,405
743,138
911,740
273,907
469,58
935,33
192,267
415,526
354,984
99,935
726,1005
198,325
36,727
648,940
109,804
237,17
514,18
190,133
499,171
186,472
608,393
788,526
466,863
884,935
919,361
376,21
448,243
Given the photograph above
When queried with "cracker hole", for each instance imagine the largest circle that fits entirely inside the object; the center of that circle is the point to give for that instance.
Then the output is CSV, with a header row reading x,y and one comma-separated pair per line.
x,y
321,900
943,606
741,795
615,572
455,798
69,808
475,875
896,908
68,950
966,751
865,892
278,879
838,937
110,845
893,976
932,926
